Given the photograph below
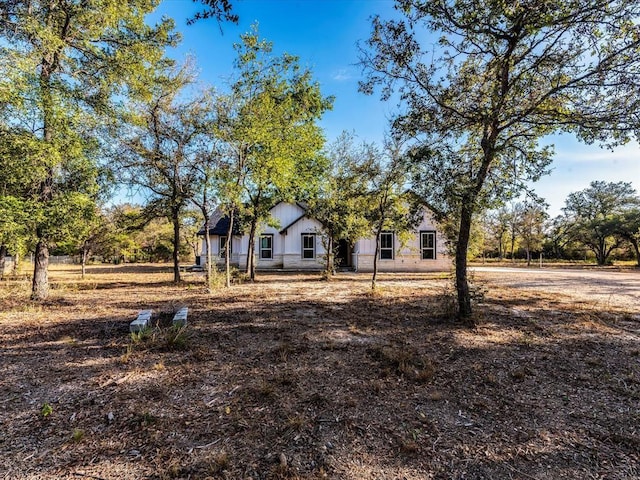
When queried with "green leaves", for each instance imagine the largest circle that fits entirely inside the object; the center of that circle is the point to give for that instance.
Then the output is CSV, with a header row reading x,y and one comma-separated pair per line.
x,y
339,204
268,126
46,410
64,66
277,107
14,221
503,76
600,216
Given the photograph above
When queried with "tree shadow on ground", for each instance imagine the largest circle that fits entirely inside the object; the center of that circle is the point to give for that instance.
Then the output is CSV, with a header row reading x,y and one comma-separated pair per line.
x,y
344,385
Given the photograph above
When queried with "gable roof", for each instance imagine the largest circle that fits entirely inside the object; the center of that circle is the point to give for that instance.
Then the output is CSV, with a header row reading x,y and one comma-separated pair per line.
x,y
219,224
301,217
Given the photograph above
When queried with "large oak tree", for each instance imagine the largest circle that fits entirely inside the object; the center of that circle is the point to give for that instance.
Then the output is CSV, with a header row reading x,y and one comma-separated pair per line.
x,y
481,82
63,64
600,217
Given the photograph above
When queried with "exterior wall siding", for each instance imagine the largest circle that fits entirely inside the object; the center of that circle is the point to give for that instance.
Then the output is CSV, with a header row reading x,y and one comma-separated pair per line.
x,y
287,246
215,251
407,258
403,263
285,214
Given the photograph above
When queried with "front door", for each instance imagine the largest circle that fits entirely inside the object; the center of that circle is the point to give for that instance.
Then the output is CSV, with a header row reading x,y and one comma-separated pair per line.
x,y
343,259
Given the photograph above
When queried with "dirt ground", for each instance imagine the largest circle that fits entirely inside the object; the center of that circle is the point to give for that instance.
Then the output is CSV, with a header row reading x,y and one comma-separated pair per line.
x,y
603,287
294,377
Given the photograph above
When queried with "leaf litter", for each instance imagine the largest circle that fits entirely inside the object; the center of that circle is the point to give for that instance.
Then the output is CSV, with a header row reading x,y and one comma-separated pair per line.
x,y
294,377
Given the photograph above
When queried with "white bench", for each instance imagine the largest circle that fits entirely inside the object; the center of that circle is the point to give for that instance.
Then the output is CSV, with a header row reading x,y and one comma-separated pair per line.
x,y
141,322
180,318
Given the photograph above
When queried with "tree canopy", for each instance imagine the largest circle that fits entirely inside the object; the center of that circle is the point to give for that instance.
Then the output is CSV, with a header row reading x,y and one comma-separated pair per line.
x,y
339,202
162,142
271,128
64,64
481,82
599,214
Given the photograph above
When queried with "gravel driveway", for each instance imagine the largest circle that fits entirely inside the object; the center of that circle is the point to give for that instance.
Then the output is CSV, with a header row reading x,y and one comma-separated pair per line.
x,y
603,287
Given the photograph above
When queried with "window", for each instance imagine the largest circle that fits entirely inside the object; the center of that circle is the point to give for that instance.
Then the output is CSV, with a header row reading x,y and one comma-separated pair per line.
x,y
223,247
266,246
428,245
386,246
308,245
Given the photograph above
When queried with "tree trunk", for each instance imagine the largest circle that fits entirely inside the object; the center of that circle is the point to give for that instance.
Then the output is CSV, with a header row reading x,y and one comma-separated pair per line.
x,y
462,285
251,261
513,243
85,254
636,247
176,245
3,254
329,263
375,259
40,286
207,251
227,259
601,256
528,257
207,258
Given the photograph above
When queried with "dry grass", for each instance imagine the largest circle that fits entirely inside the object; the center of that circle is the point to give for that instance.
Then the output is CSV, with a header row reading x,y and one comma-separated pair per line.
x,y
293,377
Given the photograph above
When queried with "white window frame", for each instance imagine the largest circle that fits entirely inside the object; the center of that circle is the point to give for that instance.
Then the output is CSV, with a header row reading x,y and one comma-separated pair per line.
x,y
387,250
263,250
424,248
311,249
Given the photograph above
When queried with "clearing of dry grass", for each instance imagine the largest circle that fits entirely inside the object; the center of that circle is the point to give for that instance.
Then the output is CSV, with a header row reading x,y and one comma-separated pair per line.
x,y
293,377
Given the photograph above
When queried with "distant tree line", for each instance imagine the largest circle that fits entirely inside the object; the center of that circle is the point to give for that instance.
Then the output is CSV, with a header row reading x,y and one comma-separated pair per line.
x,y
600,223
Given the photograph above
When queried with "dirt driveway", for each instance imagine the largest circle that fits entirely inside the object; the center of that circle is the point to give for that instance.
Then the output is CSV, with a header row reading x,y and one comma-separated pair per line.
x,y
604,288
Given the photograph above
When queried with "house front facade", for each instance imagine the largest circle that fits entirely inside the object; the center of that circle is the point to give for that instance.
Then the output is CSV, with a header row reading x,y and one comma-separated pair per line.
x,y
291,240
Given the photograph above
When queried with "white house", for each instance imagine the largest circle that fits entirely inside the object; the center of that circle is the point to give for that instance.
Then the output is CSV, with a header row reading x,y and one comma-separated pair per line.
x,y
297,243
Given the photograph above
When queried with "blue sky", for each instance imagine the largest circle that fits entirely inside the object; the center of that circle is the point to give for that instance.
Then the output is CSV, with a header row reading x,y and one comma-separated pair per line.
x,y
324,34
